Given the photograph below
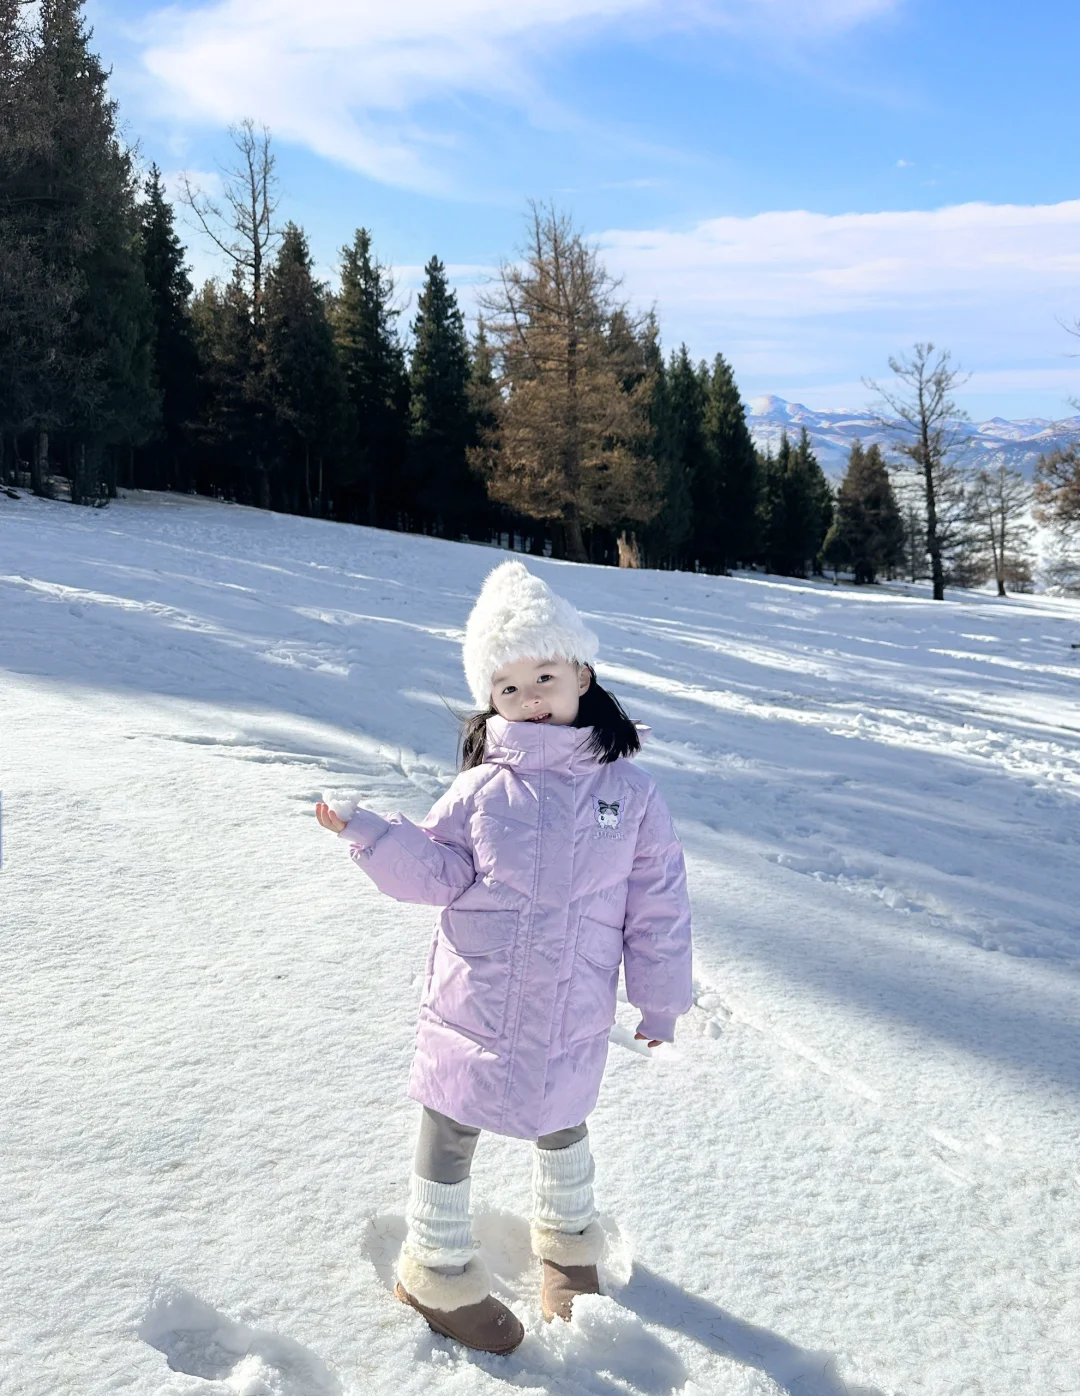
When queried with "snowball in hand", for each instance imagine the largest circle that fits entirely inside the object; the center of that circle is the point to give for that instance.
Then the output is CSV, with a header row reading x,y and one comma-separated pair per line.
x,y
341,804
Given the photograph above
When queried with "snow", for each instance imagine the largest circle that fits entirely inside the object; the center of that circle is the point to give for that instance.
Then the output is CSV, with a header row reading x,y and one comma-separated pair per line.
x,y
856,1173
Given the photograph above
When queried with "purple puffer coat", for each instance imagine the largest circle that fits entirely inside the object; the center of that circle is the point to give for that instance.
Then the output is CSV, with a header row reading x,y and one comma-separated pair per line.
x,y
550,868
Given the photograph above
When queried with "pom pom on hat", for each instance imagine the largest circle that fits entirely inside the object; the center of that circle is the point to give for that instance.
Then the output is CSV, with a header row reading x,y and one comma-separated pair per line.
x,y
518,616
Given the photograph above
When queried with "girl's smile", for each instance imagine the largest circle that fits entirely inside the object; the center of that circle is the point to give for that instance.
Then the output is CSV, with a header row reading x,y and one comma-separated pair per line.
x,y
540,690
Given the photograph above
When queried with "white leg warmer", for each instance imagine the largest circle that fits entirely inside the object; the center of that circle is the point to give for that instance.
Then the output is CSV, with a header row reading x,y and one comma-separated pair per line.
x,y
564,1226
440,1230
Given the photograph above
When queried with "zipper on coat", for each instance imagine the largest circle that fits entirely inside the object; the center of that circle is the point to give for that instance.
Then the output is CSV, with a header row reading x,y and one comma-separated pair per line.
x,y
541,792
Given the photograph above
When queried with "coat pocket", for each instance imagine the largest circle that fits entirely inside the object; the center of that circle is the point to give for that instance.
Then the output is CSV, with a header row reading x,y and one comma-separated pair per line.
x,y
594,983
470,971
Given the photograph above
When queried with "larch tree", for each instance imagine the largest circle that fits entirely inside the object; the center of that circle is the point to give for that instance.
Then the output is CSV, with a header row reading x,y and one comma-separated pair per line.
x,y
926,425
242,225
570,441
999,504
1057,488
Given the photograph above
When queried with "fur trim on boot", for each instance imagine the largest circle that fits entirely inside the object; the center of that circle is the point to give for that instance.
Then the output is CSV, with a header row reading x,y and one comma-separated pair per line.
x,y
444,1292
568,1248
461,1307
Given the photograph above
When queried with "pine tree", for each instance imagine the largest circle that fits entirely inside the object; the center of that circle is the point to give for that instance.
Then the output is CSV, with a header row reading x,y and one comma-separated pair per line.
x,y
796,508
677,418
483,392
445,492
176,365
726,508
376,384
30,299
867,532
236,423
635,345
43,230
79,215
303,384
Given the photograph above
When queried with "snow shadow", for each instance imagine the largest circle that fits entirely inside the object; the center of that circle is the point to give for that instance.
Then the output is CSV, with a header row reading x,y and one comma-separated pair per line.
x,y
796,1370
201,1342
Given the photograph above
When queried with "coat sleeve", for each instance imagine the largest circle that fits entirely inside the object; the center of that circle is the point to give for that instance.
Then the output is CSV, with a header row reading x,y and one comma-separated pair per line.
x,y
656,932
427,862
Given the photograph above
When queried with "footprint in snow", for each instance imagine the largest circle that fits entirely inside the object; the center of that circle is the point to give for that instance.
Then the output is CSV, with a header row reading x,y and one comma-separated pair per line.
x,y
201,1342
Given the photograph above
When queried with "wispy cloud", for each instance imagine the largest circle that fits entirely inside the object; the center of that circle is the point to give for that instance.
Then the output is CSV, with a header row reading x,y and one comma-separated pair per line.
x,y
355,82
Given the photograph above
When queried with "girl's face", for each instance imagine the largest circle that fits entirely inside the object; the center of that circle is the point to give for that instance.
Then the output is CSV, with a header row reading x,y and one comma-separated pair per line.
x,y
540,690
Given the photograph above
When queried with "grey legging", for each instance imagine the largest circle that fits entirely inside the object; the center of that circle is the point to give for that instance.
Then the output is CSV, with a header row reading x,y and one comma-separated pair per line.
x,y
444,1150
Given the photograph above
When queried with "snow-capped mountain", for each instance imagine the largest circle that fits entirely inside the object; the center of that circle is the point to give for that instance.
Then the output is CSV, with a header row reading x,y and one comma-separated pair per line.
x,y
1017,444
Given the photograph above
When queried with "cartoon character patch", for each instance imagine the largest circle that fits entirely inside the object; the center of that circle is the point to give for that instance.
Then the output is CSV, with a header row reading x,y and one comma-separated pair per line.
x,y
608,818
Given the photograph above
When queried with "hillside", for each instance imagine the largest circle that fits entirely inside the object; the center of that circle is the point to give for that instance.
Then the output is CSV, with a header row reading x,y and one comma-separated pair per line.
x,y
854,1174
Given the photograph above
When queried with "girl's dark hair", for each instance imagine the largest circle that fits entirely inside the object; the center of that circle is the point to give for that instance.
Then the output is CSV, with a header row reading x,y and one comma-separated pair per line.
x,y
614,734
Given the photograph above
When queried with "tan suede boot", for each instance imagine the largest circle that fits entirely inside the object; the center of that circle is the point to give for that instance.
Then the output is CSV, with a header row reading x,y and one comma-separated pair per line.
x,y
461,1307
569,1267
562,1285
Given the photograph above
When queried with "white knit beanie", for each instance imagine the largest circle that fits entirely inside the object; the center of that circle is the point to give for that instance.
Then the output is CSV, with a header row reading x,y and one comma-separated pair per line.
x,y
518,616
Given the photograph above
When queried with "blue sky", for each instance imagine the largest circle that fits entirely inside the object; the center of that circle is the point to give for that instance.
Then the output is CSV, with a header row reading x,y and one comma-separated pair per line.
x,y
804,185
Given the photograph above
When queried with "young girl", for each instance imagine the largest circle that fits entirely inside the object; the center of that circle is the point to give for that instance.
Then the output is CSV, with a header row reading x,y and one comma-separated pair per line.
x,y
554,859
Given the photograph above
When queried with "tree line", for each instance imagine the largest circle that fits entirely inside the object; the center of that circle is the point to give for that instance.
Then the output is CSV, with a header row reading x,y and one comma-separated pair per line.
x,y
557,426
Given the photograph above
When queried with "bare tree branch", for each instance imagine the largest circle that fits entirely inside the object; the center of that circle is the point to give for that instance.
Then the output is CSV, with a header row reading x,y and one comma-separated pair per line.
x,y
926,426
245,230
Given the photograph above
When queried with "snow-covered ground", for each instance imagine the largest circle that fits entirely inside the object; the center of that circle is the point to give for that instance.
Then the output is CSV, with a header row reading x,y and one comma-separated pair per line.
x,y
858,1170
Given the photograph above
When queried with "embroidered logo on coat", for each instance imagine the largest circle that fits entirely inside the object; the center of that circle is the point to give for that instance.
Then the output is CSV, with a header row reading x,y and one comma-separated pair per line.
x,y
608,818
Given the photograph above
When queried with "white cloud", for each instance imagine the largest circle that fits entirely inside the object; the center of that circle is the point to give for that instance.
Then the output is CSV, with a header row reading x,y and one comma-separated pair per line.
x,y
346,78
798,263
814,299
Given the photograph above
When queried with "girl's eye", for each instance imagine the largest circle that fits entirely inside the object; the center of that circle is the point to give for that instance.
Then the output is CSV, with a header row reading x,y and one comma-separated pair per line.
x,y
508,689
546,676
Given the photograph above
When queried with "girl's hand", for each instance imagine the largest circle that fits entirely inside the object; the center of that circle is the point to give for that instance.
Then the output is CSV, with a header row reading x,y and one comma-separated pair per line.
x,y
640,1037
328,819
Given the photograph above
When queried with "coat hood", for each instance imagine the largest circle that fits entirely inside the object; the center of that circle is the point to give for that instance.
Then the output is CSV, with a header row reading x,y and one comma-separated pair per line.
x,y
535,746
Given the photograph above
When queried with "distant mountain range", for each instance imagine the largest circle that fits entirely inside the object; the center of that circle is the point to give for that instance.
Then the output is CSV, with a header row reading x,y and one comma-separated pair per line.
x,y
1017,444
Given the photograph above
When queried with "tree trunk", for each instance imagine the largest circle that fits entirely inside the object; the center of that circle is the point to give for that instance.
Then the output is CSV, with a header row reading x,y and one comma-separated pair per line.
x,y
933,545
78,474
264,483
307,477
39,465
629,551
575,543
322,504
